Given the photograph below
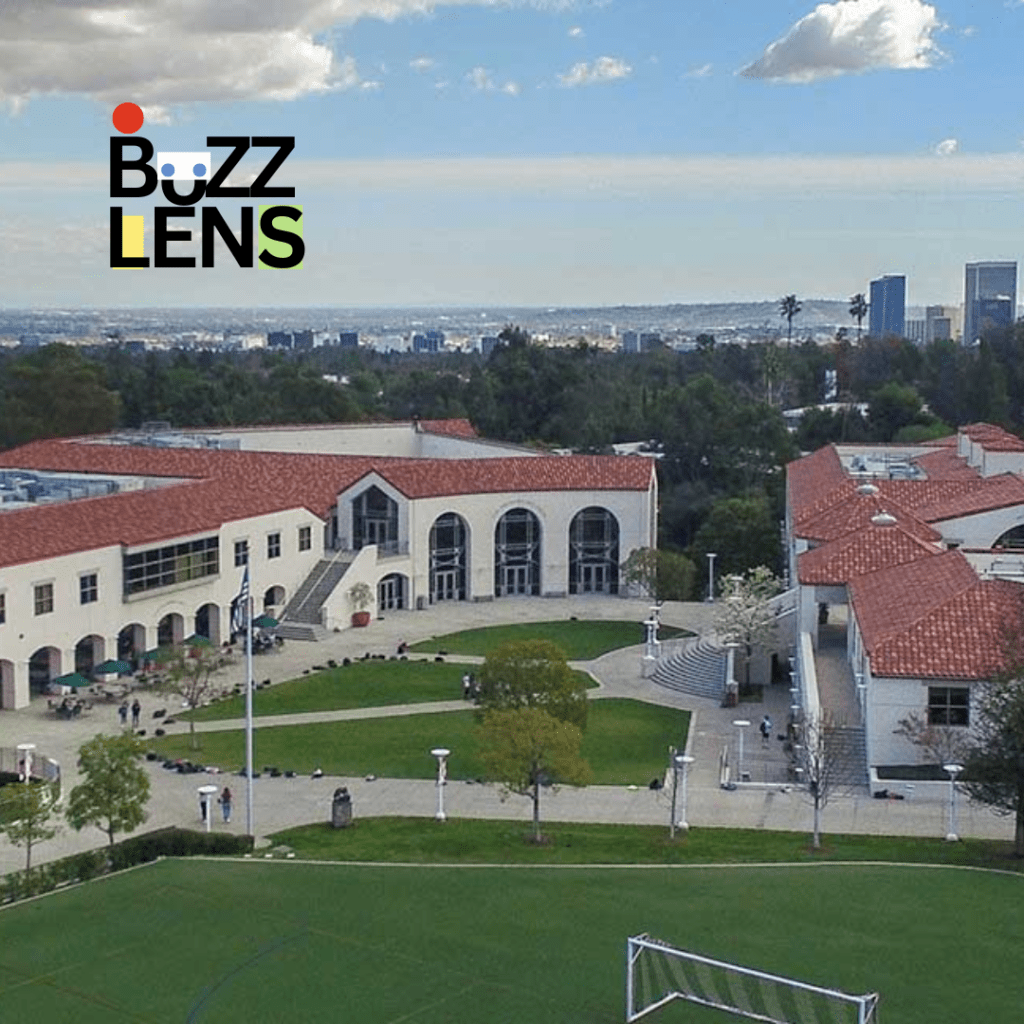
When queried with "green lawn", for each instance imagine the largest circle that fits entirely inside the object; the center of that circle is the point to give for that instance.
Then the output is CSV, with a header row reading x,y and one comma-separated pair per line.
x,y
581,640
479,841
215,942
626,743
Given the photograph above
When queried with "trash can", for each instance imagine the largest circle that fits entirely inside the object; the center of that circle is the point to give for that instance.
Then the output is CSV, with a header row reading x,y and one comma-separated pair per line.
x,y
341,808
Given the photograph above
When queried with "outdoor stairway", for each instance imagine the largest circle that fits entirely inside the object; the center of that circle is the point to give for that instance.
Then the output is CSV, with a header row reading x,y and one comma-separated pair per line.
x,y
301,618
846,748
698,669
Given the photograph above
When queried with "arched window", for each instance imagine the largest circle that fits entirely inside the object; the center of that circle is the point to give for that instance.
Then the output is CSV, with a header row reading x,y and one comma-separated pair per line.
x,y
375,521
517,553
1012,540
594,552
391,592
448,558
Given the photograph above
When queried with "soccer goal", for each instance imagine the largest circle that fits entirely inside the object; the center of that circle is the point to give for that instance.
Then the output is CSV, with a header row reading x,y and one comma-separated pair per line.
x,y
658,974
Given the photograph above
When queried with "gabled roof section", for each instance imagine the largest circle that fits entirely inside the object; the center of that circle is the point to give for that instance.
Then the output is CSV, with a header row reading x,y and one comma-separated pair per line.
x,y
993,438
864,551
960,639
945,464
813,480
853,509
985,495
891,600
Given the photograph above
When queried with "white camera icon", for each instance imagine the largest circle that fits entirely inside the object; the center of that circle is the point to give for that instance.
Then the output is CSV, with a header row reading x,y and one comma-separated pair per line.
x,y
183,166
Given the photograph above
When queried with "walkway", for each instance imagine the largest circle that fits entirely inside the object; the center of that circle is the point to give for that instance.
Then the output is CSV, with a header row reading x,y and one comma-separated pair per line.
x,y
282,803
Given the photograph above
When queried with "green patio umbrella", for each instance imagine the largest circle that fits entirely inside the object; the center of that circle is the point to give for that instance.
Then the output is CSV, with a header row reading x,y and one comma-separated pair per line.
x,y
264,622
73,679
197,640
158,654
112,665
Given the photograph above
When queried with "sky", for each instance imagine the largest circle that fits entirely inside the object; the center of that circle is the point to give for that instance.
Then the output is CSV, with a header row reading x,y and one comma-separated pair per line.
x,y
525,152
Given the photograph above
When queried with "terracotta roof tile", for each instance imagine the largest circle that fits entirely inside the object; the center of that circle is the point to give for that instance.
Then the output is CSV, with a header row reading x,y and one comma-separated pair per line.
x,y
449,428
945,464
813,480
993,438
852,509
984,495
867,550
226,486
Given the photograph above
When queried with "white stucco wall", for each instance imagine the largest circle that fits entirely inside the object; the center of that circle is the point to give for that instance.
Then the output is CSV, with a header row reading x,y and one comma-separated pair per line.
x,y
981,530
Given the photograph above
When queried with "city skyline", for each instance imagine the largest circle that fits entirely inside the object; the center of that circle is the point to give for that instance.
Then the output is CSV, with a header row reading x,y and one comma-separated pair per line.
x,y
484,152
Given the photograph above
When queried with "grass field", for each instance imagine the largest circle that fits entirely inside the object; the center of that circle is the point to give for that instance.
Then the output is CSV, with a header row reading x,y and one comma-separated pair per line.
x,y
626,743
581,640
219,942
368,684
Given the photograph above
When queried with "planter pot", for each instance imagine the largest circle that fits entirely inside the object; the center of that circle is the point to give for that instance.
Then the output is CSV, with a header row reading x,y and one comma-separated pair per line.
x,y
360,618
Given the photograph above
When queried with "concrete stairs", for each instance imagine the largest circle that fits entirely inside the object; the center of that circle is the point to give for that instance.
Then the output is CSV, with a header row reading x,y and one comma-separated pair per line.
x,y
698,669
846,748
301,619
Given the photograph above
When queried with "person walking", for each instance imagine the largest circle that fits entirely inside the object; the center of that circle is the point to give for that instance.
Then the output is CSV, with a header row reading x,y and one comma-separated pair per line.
x,y
122,713
225,804
766,730
136,712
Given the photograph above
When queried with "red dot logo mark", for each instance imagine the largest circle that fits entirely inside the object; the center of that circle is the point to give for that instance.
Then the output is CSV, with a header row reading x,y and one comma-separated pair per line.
x,y
127,118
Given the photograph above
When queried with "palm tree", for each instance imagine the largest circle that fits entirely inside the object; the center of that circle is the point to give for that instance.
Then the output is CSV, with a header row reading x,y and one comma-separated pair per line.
x,y
858,310
789,307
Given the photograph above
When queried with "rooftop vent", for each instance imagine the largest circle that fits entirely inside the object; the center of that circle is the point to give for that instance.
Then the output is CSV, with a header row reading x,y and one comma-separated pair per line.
x,y
883,519
867,489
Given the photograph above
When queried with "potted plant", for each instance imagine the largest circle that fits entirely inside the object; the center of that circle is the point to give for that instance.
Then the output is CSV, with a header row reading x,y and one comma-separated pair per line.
x,y
361,597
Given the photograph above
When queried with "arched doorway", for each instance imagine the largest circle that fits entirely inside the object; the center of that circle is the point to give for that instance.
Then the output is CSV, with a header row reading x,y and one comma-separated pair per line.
x,y
594,552
392,592
43,665
375,520
170,630
88,654
273,600
448,540
131,644
207,622
517,553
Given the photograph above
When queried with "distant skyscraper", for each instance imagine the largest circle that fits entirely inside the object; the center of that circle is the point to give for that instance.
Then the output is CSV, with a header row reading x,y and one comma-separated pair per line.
x,y
990,298
630,341
887,312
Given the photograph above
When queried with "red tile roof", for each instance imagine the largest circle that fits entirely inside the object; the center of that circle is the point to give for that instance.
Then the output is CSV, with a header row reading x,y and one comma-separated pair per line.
x,y
449,428
945,464
813,480
874,547
984,495
993,438
852,509
226,486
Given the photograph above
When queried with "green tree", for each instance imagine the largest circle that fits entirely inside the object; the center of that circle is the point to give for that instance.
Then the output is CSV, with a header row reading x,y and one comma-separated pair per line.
x,y
193,674
535,674
858,310
663,575
525,748
789,307
893,407
26,812
744,532
115,787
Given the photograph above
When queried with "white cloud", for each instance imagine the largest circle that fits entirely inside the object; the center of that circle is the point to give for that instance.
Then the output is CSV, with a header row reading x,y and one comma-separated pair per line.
x,y
947,147
851,36
702,72
575,32
510,88
421,63
480,79
181,53
604,69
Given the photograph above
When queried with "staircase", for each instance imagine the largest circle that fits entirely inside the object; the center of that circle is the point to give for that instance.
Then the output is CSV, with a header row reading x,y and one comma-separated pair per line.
x,y
301,619
698,669
846,748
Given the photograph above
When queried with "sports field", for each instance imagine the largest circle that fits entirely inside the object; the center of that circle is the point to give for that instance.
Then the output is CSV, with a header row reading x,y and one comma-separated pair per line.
x,y
207,942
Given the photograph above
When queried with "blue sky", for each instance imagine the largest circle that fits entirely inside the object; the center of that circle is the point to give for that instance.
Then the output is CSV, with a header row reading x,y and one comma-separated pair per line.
x,y
536,153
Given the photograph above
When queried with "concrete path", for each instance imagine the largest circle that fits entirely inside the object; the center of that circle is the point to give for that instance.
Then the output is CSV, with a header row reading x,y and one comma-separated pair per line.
x,y
766,802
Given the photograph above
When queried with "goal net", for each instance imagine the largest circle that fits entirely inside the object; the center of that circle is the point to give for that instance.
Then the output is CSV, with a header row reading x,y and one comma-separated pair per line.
x,y
658,974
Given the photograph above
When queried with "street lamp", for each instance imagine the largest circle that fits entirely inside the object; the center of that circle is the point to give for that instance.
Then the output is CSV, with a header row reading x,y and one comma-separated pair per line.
x,y
679,761
712,555
954,770
441,753
741,724
206,803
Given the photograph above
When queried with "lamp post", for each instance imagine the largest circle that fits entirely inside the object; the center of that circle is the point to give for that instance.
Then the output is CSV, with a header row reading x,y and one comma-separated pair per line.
x,y
954,770
441,753
712,555
206,803
741,724
862,697
679,762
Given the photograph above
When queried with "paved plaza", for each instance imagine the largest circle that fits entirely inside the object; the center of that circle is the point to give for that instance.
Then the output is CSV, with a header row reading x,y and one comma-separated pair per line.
x,y
766,802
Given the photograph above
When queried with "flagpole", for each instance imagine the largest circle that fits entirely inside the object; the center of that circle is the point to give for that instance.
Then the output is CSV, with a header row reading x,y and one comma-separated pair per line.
x,y
248,717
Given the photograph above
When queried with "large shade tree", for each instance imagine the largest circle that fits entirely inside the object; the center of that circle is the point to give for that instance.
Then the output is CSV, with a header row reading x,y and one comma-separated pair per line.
x,y
115,787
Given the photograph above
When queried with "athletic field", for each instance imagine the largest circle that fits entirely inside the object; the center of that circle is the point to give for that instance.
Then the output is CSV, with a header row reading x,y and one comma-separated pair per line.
x,y
216,942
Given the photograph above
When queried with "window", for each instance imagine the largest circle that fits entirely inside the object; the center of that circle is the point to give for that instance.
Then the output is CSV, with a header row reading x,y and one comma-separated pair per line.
x,y
948,705
43,598
88,588
305,538
273,545
241,552
167,566
3,609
